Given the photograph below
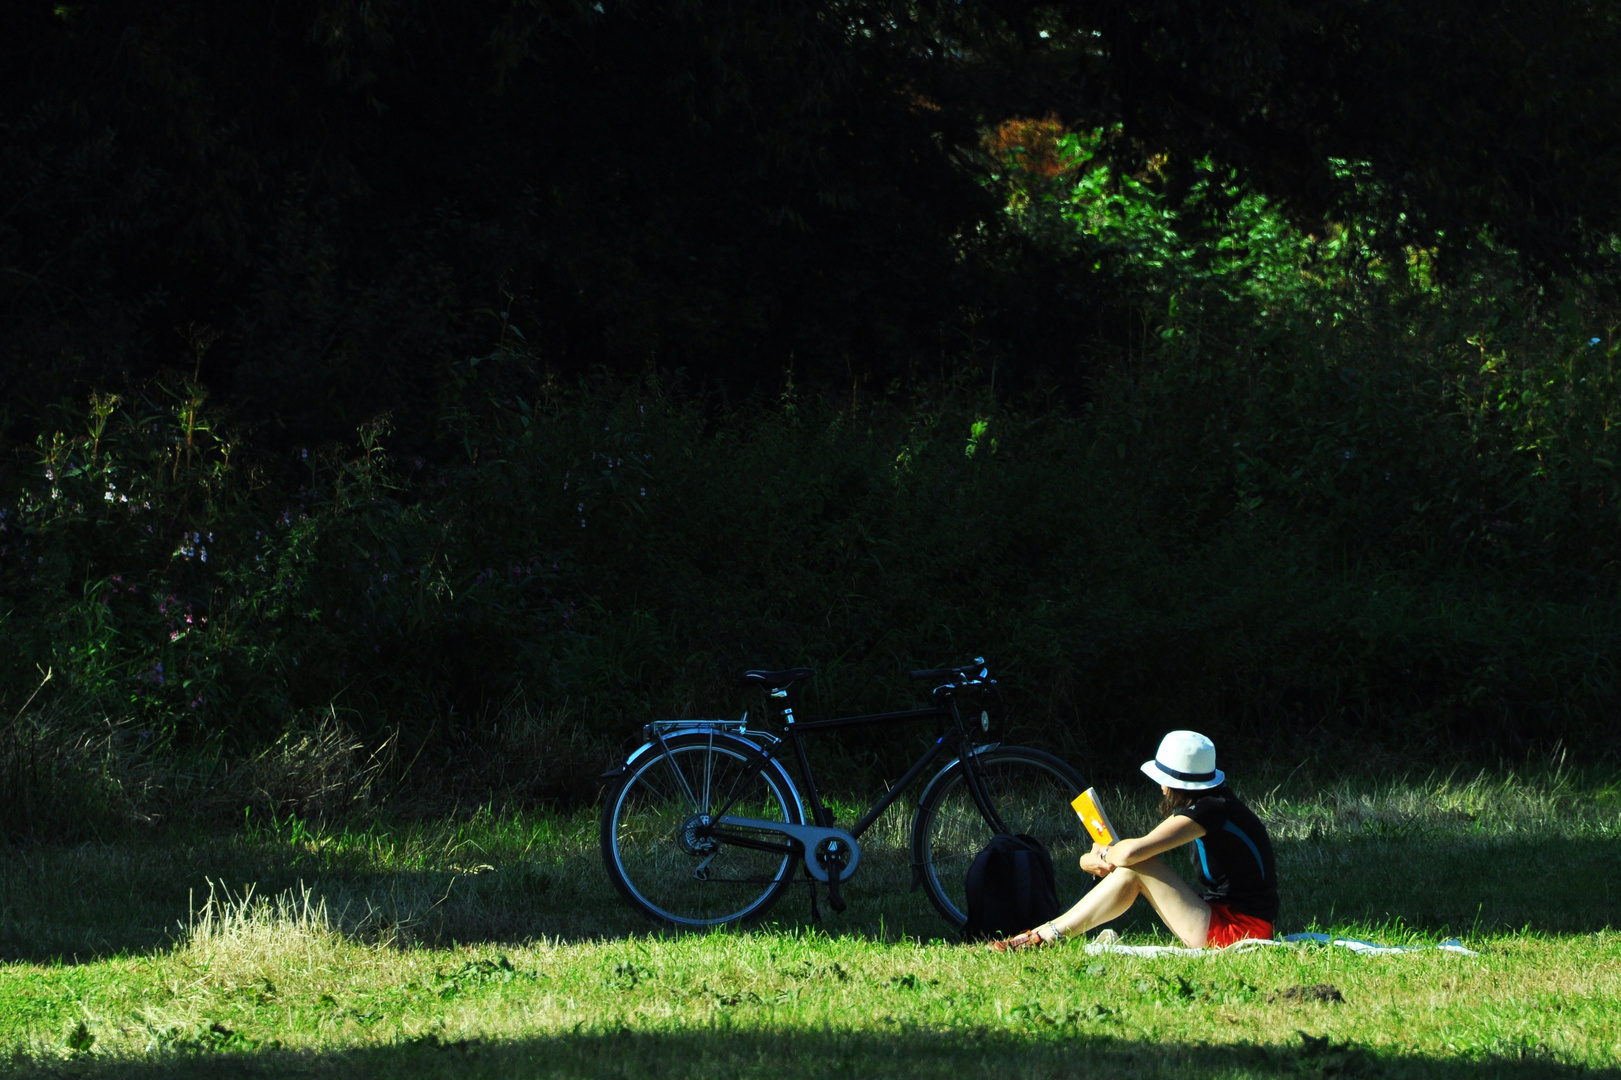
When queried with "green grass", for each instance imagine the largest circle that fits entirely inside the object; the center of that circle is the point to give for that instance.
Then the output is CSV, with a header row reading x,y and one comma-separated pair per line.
x,y
495,947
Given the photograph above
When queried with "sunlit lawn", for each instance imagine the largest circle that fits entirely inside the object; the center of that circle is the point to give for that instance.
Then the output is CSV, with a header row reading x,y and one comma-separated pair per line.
x,y
495,947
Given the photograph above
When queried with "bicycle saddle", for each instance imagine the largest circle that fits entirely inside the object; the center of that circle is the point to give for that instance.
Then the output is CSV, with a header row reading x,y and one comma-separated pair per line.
x,y
771,680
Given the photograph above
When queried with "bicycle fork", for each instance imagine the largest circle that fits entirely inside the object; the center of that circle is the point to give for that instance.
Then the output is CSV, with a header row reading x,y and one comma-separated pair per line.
x,y
978,790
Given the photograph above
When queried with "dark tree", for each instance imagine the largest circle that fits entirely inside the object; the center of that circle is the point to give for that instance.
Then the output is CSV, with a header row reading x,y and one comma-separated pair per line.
x,y
348,199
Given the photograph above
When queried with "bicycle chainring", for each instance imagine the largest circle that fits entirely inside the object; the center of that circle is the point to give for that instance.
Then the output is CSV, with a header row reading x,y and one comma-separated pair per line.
x,y
832,852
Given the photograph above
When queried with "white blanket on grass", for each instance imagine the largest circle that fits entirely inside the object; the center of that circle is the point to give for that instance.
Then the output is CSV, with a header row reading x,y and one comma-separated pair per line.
x,y
1355,945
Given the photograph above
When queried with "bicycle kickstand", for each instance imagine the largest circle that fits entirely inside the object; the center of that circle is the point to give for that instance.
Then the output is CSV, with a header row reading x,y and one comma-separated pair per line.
x,y
834,900
816,911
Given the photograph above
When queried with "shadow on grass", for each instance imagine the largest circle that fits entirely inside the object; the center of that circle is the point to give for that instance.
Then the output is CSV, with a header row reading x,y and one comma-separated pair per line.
x,y
799,1054
92,901
89,902
1480,884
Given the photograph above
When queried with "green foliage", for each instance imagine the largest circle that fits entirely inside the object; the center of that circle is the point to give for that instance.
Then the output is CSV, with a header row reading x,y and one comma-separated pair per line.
x,y
1162,452
1312,524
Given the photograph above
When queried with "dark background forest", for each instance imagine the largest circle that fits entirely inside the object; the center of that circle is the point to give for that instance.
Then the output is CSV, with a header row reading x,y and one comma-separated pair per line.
x,y
407,400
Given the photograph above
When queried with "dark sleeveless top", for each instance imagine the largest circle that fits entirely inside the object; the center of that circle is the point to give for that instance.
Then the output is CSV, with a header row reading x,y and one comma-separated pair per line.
x,y
1233,860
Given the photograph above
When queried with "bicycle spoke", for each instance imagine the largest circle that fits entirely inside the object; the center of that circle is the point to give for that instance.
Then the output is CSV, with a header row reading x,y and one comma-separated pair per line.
x,y
658,867
645,779
734,793
948,860
686,788
711,879
966,819
1031,793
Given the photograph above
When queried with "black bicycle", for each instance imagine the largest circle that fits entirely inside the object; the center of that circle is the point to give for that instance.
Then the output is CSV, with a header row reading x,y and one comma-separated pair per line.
x,y
703,825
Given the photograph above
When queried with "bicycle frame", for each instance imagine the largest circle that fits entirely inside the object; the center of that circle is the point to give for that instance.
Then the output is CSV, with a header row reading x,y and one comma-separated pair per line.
x,y
952,737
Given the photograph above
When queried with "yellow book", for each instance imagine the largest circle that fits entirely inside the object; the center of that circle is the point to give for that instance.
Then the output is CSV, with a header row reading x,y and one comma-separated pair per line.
x,y
1090,808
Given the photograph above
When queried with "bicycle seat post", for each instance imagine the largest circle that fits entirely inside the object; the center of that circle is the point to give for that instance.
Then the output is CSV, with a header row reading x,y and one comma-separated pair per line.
x,y
777,692
780,695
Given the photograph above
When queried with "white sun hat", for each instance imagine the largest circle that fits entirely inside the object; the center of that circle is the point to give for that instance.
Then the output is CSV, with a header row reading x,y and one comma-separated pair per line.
x,y
1186,760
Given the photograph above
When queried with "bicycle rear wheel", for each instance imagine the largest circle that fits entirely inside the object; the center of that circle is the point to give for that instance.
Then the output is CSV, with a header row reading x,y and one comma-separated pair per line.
x,y
675,874
1031,790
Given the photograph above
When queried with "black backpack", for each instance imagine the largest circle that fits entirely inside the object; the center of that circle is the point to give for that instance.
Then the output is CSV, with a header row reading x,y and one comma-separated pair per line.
x,y
1010,887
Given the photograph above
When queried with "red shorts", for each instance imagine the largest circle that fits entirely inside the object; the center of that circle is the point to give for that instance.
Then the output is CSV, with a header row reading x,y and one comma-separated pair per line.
x,y
1228,926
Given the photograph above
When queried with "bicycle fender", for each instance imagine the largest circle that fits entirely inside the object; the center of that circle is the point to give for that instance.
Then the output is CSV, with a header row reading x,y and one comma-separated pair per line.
x,y
809,836
757,740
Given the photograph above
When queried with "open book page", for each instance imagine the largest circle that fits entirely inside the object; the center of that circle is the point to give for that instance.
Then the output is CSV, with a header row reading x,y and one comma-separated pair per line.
x,y
1090,808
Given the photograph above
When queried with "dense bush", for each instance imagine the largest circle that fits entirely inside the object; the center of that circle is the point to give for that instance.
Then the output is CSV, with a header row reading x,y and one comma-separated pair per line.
x,y
1312,493
1313,530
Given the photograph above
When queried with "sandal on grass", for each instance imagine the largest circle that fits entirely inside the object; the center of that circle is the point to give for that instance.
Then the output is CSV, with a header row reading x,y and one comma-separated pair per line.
x,y
1042,936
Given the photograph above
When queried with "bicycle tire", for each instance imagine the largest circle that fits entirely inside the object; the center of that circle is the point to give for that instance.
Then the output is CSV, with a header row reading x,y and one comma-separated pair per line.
x,y
1031,790
662,790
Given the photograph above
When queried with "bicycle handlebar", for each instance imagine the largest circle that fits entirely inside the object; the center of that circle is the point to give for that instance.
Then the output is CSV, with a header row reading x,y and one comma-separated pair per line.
x,y
974,674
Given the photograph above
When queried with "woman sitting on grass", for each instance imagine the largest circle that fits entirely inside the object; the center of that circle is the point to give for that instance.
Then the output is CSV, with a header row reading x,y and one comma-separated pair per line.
x,y
1232,856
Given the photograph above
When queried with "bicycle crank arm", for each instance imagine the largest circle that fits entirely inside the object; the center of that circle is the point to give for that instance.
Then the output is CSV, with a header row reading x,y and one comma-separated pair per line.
x,y
820,844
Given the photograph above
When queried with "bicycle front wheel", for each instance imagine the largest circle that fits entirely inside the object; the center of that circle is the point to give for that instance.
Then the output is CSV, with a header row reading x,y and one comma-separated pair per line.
x,y
1030,789
658,854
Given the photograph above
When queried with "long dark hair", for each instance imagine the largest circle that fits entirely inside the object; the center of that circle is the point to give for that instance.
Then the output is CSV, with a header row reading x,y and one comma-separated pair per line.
x,y
1174,799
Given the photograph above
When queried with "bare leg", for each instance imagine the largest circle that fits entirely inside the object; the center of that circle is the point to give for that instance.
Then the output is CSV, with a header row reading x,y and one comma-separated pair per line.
x,y
1187,915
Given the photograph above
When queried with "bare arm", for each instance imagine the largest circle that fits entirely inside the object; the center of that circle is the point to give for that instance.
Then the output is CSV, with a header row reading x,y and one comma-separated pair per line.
x,y
1173,832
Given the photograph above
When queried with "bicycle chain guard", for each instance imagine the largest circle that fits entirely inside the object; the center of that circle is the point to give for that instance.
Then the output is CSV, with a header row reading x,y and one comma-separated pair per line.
x,y
821,845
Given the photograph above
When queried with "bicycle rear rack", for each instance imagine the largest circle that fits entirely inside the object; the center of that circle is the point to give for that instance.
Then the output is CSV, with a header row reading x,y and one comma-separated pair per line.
x,y
665,728
657,731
